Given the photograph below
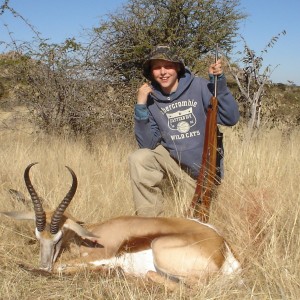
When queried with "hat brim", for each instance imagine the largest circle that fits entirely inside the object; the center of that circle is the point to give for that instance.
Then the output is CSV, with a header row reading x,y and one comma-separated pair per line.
x,y
147,67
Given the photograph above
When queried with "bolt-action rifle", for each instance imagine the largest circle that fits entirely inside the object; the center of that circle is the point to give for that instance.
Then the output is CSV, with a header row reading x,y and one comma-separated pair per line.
x,y
207,178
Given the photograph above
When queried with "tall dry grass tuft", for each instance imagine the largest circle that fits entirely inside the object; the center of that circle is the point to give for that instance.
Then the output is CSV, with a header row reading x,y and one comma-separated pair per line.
x,y
257,209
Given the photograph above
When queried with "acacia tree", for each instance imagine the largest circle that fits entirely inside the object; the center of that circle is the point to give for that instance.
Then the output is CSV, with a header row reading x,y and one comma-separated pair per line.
x,y
252,78
71,85
192,27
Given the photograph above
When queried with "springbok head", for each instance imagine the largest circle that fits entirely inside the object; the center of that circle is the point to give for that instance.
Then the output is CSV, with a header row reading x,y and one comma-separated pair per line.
x,y
51,227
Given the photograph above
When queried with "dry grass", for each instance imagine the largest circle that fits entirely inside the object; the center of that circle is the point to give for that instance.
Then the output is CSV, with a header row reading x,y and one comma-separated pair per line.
x,y
257,210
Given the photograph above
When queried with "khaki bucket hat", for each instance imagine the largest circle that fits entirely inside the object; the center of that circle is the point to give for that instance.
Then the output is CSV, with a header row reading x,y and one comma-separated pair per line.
x,y
163,53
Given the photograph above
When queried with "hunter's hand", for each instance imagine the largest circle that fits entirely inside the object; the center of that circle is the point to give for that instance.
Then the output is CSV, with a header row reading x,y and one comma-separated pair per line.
x,y
143,93
216,68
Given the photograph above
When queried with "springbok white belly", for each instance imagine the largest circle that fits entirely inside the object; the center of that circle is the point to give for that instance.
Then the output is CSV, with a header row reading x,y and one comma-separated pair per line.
x,y
137,264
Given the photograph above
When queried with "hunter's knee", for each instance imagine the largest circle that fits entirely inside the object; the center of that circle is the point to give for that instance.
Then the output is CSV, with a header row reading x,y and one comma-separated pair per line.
x,y
139,157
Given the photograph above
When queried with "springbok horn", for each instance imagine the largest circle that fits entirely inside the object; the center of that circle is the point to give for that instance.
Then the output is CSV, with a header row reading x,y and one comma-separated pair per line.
x,y
54,226
40,216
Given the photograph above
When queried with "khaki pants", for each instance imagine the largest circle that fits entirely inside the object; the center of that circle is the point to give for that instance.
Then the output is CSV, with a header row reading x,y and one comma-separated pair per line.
x,y
148,168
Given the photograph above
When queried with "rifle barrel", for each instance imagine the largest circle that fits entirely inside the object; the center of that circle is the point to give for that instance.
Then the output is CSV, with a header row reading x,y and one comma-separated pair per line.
x,y
216,76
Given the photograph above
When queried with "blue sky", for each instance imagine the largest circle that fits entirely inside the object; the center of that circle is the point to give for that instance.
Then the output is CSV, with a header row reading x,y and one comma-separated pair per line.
x,y
60,19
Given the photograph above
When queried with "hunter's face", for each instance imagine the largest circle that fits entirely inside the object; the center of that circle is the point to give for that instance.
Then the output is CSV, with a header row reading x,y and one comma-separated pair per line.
x,y
165,73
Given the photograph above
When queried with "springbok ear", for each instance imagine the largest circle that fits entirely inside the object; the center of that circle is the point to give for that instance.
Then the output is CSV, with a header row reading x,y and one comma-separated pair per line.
x,y
81,231
19,215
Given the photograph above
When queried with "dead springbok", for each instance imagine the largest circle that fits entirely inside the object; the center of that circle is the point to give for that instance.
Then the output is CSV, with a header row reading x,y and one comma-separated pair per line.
x,y
159,248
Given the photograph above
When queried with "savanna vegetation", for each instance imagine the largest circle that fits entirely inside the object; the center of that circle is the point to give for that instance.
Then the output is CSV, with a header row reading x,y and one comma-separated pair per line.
x,y
72,103
257,210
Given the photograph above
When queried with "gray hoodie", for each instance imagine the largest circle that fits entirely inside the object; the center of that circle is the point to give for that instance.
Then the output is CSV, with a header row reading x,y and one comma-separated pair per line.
x,y
177,121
